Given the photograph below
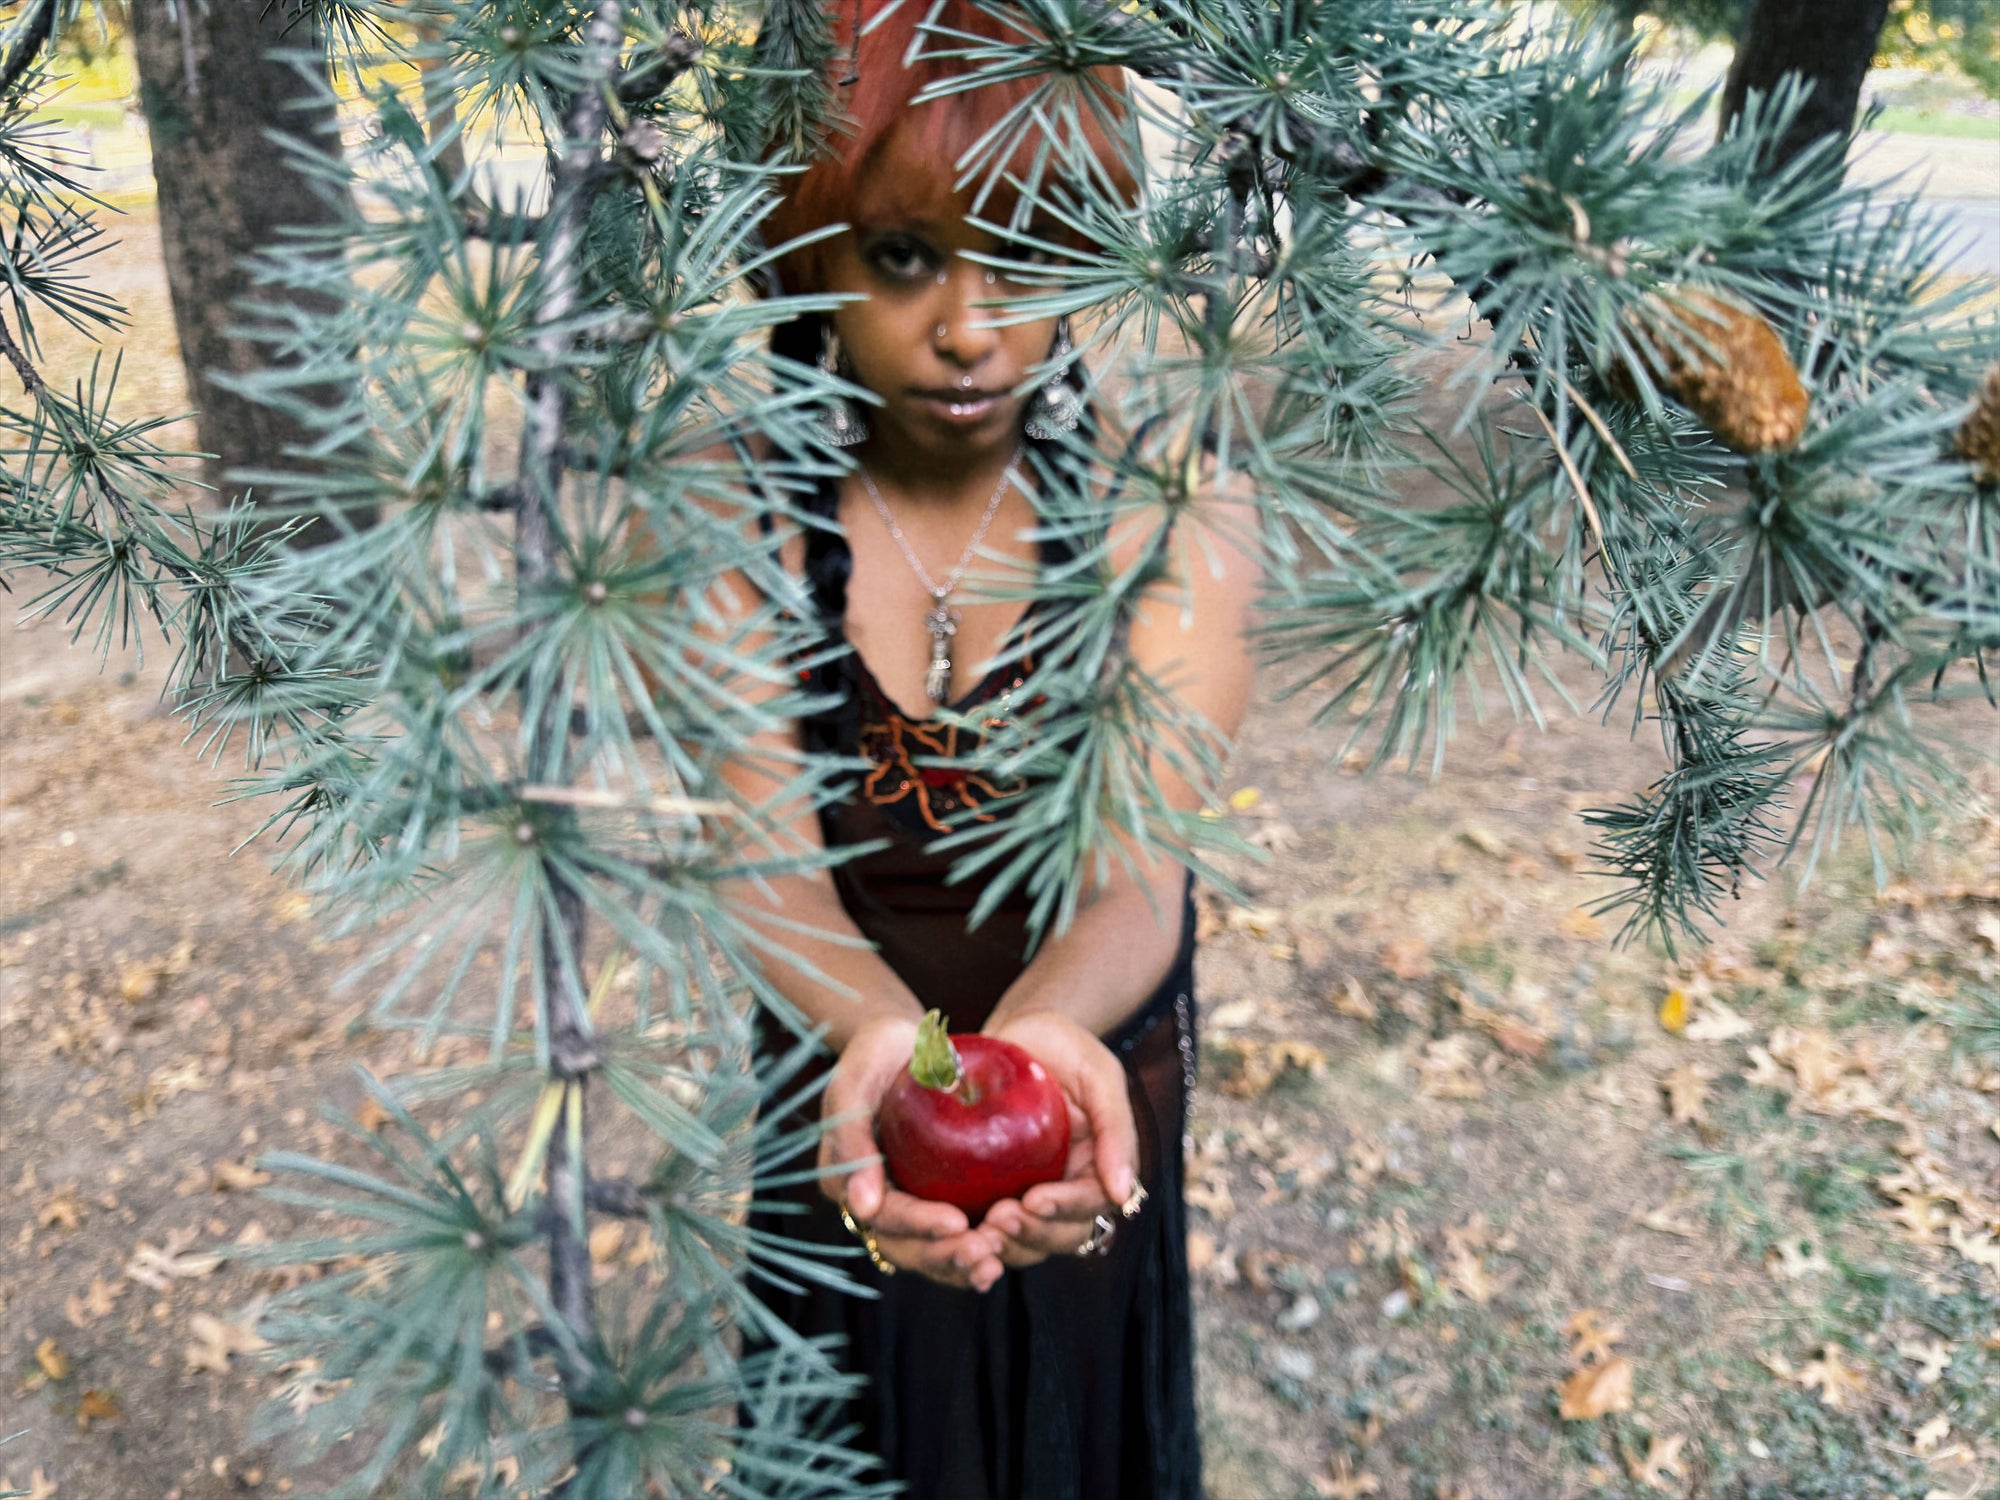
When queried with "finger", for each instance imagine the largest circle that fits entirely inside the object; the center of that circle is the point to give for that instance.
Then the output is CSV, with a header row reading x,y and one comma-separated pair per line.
x,y
847,1173
1040,1239
1077,1200
899,1212
1114,1134
1095,1081
969,1260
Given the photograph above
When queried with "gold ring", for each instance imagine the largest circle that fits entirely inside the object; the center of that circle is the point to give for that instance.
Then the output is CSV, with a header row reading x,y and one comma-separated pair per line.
x,y
867,1238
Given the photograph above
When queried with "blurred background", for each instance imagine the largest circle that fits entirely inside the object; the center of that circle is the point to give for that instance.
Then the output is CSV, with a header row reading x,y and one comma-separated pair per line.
x,y
1486,1205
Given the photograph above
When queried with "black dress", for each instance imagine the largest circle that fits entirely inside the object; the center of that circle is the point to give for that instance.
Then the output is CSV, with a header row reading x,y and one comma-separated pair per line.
x,y
1073,1379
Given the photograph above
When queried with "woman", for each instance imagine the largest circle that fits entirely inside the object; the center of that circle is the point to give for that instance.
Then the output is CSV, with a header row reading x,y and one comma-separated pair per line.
x,y
1047,1350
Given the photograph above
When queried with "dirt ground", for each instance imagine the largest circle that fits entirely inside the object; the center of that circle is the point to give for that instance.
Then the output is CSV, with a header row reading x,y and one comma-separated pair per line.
x,y
1488,1207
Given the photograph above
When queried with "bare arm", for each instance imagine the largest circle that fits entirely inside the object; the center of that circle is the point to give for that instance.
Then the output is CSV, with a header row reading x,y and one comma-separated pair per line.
x,y
1192,632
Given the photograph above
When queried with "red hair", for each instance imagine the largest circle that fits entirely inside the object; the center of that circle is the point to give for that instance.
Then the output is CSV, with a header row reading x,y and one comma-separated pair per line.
x,y
874,83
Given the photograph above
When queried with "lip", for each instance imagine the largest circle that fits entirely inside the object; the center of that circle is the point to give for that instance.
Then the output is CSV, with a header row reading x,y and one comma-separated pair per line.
x,y
960,408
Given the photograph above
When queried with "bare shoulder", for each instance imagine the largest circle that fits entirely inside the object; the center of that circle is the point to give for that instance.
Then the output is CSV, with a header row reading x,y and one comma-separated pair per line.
x,y
740,485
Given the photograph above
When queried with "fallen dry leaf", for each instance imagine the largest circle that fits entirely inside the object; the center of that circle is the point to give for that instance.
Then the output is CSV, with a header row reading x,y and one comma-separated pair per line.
x,y
1934,1358
1922,1215
238,1176
95,1406
1764,1070
606,1240
154,1267
1485,840
1352,1000
1210,1193
1661,1464
1597,1390
218,1340
1686,1089
1669,1218
1980,1249
1795,1259
53,1361
1580,923
1465,1271
1514,1033
1446,1070
1232,1017
61,1209
1834,1379
1933,1432
1716,1022
91,1305
1593,1335
1250,1068
1258,921
1673,1012
1409,959
1200,1251
1816,1062
1344,1483
1273,835
1261,1265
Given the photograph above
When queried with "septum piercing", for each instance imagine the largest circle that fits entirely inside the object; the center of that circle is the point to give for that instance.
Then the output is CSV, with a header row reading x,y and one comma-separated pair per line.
x,y
965,382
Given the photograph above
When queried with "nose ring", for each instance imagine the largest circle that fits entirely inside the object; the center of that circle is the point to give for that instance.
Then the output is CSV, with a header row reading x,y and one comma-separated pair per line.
x,y
941,278
992,277
943,331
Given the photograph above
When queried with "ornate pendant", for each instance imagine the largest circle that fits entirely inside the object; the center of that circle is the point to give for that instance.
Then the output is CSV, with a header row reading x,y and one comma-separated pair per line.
x,y
941,622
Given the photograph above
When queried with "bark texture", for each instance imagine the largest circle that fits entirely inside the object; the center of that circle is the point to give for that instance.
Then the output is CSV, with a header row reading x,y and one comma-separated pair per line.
x,y
1828,42
211,94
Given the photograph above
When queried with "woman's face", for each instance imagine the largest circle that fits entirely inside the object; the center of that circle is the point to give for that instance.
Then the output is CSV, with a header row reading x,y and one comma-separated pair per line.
x,y
945,374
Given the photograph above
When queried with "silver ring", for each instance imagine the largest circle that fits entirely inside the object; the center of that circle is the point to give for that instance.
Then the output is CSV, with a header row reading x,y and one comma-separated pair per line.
x,y
1101,1232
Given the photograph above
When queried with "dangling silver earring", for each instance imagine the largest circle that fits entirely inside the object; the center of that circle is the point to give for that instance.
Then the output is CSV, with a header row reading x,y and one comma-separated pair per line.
x,y
1058,405
836,424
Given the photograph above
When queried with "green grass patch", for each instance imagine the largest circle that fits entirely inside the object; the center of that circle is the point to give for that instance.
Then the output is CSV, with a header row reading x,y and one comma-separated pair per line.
x,y
1902,120
98,114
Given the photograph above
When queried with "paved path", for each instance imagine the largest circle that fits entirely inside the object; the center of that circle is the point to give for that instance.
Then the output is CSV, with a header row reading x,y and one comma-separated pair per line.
x,y
1961,176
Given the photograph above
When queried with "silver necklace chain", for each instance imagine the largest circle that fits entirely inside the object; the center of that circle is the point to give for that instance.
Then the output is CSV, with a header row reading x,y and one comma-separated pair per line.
x,y
935,590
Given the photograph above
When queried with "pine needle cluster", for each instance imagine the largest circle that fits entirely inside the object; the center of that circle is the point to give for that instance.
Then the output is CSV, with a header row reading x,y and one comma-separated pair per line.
x,y
1726,441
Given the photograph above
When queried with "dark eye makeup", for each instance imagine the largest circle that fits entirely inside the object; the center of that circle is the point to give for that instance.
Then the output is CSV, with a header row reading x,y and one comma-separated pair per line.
x,y
901,256
905,256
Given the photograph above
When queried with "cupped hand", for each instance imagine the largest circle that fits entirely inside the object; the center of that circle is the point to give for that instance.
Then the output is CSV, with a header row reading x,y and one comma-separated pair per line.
x,y
912,1234
1056,1218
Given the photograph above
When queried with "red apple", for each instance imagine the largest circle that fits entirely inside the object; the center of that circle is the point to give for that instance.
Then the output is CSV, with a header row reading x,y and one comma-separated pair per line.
x,y
974,1120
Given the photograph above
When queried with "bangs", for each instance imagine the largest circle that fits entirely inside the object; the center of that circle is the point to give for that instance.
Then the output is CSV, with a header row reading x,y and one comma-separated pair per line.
x,y
891,162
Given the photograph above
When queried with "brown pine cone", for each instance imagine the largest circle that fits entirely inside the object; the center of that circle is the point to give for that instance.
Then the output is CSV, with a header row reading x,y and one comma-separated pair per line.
x,y
1979,439
1747,391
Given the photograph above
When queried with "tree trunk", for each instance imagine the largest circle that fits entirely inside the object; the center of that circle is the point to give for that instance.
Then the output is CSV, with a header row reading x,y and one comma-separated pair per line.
x,y
211,93
1830,43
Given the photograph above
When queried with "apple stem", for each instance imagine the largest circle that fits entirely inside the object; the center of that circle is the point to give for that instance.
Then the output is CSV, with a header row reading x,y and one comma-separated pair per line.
x,y
934,1061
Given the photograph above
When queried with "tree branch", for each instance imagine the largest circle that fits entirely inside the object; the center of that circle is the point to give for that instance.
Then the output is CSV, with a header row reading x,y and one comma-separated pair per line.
x,y
31,378
652,77
35,33
573,1051
482,223
619,1197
